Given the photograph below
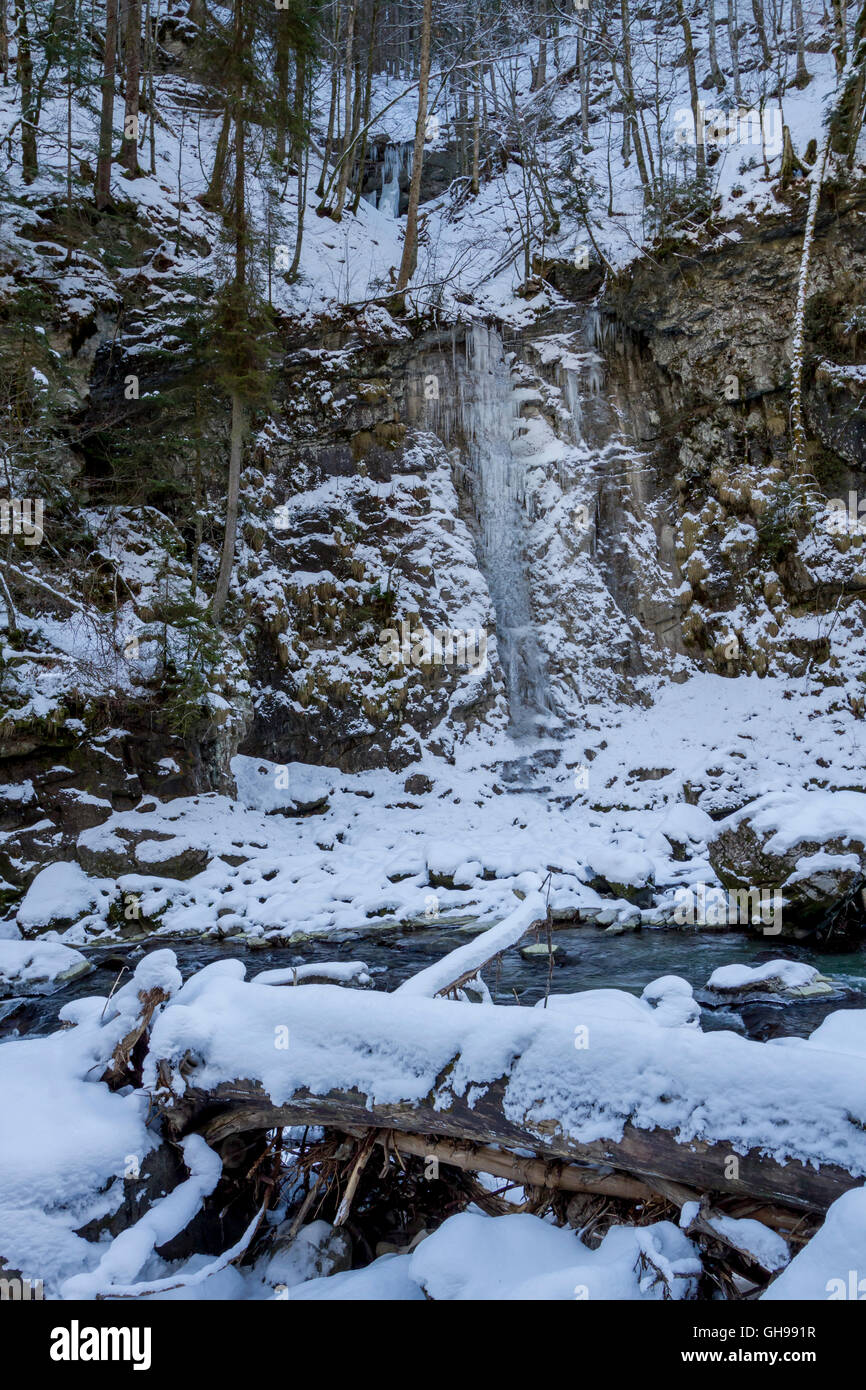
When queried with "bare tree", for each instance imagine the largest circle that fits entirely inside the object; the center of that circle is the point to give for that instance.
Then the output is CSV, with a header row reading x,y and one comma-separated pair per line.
x,y
410,241
716,78
103,162
29,162
803,77
129,148
693,85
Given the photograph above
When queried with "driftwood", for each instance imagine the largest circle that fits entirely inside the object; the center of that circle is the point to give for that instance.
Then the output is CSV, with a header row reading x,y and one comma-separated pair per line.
x,y
655,1158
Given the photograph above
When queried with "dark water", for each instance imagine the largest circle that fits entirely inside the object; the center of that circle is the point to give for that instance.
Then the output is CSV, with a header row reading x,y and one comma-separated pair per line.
x,y
587,959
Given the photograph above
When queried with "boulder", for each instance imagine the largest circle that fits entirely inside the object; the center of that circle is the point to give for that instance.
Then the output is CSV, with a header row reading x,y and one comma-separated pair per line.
x,y
790,844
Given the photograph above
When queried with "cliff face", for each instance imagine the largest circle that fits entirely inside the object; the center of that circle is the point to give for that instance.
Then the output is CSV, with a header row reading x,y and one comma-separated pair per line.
x,y
765,563
653,525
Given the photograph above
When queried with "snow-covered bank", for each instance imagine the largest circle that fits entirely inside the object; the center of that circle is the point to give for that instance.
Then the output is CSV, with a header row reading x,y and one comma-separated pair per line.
x,y
457,841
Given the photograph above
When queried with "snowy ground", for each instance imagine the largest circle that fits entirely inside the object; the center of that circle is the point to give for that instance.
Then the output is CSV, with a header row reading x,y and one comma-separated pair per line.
x,y
379,856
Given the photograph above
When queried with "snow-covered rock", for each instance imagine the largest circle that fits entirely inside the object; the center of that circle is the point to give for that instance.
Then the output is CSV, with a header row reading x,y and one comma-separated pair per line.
x,y
811,847
59,895
38,967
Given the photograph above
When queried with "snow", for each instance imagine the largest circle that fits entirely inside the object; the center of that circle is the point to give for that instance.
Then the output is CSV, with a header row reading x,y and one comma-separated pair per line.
x,y
60,893
764,1245
369,859
793,975
164,1219
429,982
397,1048
520,1257
37,967
824,1268
341,972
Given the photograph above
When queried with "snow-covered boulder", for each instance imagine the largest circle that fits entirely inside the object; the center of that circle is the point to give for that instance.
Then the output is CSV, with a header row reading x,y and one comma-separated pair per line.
x,y
790,977
290,789
60,895
673,1003
810,846
38,967
626,874
121,847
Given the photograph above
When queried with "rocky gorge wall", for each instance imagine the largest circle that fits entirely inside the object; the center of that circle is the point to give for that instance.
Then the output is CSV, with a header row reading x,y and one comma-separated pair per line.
x,y
654,509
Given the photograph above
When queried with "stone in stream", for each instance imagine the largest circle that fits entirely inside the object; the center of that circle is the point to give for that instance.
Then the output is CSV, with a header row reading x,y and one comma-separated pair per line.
x,y
539,950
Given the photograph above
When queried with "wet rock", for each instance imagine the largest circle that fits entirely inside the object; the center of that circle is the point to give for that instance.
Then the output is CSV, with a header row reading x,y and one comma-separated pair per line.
x,y
540,951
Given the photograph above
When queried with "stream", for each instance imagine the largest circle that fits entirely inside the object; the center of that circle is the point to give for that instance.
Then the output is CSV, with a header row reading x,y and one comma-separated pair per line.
x,y
587,958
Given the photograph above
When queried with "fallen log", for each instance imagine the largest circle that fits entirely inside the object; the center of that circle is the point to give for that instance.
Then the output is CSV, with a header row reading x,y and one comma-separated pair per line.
x,y
711,1113
662,1165
453,971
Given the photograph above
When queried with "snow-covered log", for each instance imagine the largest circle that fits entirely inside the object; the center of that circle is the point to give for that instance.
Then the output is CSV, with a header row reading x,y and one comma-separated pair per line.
x,y
712,1112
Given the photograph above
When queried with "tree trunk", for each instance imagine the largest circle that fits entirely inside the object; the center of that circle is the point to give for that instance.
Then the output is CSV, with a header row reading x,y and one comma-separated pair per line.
x,y
716,78
106,123
29,162
332,110
410,243
803,77
734,42
348,123
214,195
281,77
477,78
583,80
227,558
693,86
365,113
4,43
840,45
540,78
129,148
238,426
303,158
654,1157
758,11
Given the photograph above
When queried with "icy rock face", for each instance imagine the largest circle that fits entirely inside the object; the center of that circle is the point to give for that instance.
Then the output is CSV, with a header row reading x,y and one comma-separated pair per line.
x,y
710,366
364,552
570,535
